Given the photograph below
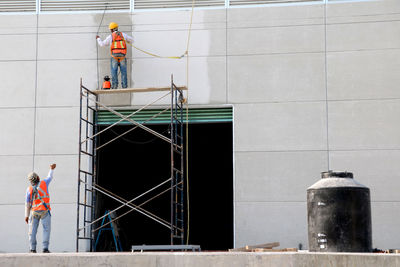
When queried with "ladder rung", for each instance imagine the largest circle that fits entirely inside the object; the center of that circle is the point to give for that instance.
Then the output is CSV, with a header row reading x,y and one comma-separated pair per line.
x,y
177,151
85,120
87,153
84,237
90,190
86,205
178,171
86,172
89,107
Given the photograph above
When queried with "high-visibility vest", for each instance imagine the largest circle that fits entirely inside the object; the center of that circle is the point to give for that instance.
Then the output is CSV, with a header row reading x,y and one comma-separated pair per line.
x,y
118,46
106,85
36,202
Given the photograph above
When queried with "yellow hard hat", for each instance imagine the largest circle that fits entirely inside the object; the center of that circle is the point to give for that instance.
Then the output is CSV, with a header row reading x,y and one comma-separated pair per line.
x,y
113,25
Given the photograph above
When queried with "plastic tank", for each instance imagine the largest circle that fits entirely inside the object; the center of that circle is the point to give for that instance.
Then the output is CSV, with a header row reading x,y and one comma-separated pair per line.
x,y
339,214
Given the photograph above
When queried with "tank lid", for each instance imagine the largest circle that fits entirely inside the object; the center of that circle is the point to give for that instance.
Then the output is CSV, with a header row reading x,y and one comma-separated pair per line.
x,y
331,179
332,174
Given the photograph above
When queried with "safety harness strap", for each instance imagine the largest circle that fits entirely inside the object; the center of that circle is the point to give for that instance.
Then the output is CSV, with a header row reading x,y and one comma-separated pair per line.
x,y
35,191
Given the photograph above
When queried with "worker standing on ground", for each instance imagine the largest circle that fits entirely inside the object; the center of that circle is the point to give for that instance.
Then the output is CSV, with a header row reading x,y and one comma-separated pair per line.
x,y
117,42
37,208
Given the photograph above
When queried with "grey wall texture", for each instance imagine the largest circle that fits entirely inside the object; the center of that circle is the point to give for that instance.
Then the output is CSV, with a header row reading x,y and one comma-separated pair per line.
x,y
313,87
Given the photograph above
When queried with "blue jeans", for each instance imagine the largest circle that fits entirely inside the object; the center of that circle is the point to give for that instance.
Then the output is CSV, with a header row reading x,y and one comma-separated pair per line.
x,y
33,227
114,73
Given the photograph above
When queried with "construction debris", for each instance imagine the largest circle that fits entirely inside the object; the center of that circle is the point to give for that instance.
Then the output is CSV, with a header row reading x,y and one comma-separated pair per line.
x,y
268,247
395,251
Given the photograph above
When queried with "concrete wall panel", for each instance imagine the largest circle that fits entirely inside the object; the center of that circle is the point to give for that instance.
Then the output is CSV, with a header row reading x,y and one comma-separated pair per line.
x,y
63,228
377,169
275,16
364,125
67,46
385,224
268,176
69,21
211,42
19,23
265,222
61,87
13,176
207,79
364,74
57,131
23,49
280,126
14,233
17,131
15,230
18,84
255,79
250,41
362,11
180,17
63,188
361,36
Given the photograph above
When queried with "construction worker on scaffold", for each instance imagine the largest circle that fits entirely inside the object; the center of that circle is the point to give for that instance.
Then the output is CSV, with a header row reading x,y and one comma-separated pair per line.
x,y
37,208
117,41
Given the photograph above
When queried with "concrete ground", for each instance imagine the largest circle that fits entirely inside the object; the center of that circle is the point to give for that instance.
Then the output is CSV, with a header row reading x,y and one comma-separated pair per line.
x,y
202,259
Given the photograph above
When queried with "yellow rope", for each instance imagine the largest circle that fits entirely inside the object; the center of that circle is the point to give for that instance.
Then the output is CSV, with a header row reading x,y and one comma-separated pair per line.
x,y
187,122
154,55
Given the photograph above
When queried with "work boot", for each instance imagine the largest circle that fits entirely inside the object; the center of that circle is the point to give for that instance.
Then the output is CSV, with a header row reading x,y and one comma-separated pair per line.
x,y
32,251
46,250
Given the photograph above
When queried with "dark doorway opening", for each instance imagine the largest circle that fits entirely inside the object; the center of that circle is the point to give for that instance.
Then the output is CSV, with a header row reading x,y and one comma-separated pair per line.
x,y
139,161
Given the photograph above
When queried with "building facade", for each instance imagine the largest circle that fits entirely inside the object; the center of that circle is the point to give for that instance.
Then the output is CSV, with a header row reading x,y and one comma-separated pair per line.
x,y
313,86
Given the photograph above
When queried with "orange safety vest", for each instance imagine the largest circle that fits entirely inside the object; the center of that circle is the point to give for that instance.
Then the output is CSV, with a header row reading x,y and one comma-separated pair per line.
x,y
106,85
118,46
36,202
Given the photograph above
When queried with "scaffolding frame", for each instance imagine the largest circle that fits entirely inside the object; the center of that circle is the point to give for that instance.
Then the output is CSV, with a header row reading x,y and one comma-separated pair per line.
x,y
87,172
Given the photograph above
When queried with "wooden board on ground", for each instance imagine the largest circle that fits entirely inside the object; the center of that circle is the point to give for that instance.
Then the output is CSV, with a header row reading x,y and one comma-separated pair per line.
x,y
136,90
274,250
250,248
395,251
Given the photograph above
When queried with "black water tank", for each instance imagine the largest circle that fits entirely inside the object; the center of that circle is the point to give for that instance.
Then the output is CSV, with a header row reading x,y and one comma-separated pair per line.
x,y
339,214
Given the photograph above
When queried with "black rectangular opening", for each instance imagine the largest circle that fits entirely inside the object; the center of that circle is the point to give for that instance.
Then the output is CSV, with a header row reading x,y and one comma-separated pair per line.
x,y
138,161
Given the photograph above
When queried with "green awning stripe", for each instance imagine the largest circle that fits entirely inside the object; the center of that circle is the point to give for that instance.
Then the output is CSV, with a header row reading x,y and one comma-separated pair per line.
x,y
195,116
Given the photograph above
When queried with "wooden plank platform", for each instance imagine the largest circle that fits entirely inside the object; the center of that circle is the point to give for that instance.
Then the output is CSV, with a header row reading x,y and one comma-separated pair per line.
x,y
136,90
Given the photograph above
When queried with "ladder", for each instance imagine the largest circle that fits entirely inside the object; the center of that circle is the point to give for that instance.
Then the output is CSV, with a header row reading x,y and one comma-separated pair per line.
x,y
177,167
114,231
87,167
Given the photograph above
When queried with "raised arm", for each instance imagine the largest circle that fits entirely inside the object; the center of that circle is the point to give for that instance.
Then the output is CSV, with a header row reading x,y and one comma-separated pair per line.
x,y
50,174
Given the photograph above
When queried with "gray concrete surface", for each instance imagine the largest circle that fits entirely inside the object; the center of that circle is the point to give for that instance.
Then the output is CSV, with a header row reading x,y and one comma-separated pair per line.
x,y
290,121
201,259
